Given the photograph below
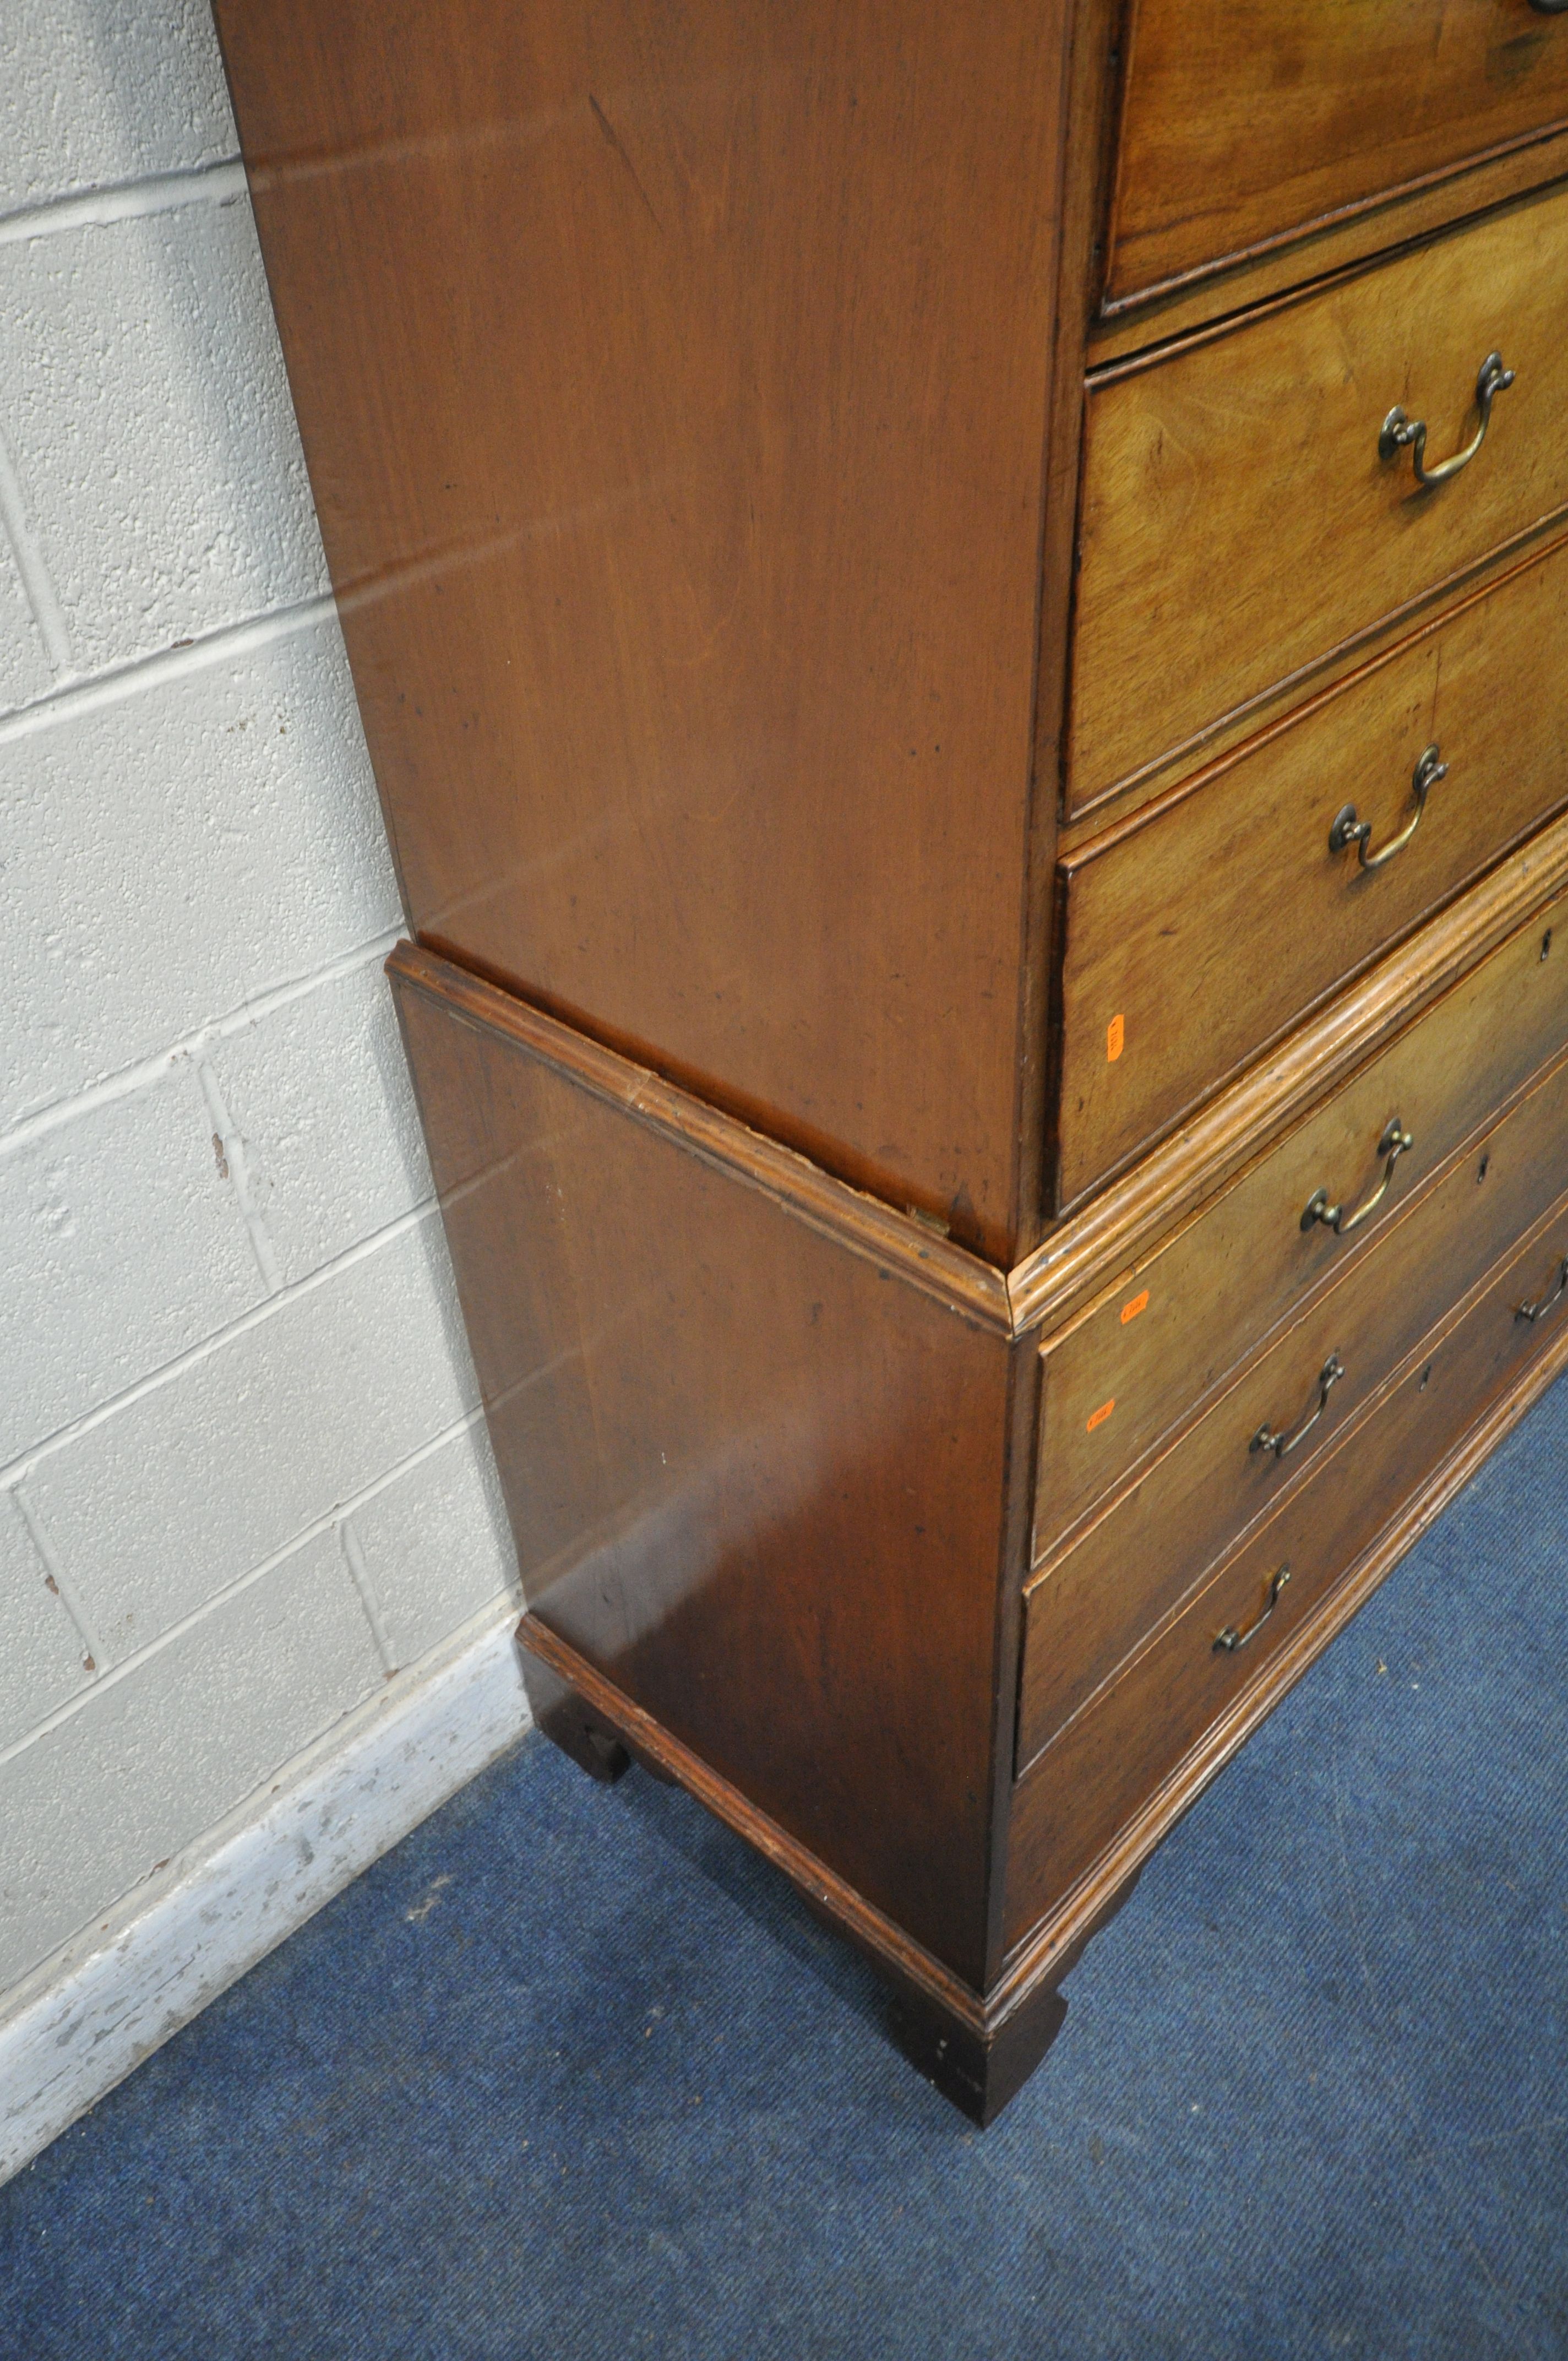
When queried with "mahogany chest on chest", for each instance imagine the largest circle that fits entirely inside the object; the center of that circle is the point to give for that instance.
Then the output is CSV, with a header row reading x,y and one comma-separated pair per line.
x,y
963,619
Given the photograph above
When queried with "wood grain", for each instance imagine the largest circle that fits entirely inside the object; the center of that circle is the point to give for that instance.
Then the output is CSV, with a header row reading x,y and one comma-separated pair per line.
x,y
869,1929
1034,1961
1213,1288
674,386
1243,125
1108,1236
939,2022
754,1478
1091,79
1038,1964
1091,1781
1325,251
1238,526
1221,917
1094,1602
893,1241
753,554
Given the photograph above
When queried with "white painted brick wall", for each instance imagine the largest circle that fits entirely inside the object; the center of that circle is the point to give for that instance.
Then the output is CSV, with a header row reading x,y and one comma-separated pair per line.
x,y
101,92
242,1476
232,1695
190,835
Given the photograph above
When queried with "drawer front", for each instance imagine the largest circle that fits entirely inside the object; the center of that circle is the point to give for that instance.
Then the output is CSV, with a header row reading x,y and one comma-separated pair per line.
x,y
1148,1352
1201,930
1238,524
1087,1611
1108,1761
1240,126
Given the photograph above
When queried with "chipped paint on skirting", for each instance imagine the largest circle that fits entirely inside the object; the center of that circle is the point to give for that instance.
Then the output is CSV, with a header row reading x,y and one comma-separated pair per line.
x,y
86,2017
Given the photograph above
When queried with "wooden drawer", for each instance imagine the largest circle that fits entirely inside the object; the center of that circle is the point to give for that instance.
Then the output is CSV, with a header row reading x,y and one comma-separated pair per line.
x,y
1088,1610
1238,525
1148,1351
1197,932
1241,126
1110,1761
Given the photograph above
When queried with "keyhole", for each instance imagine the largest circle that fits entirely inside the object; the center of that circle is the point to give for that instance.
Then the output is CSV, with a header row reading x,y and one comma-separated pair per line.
x,y
1481,1168
1546,943
1425,1375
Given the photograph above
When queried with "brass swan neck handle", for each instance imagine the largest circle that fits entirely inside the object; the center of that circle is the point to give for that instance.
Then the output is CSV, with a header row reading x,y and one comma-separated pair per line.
x,y
1400,434
1396,1141
1348,830
1228,1641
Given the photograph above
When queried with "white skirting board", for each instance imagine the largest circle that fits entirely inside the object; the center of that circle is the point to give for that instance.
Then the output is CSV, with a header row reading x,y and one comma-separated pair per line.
x,y
83,2019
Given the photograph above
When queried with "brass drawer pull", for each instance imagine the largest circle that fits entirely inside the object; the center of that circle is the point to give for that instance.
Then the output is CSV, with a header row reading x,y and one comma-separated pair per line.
x,y
1394,1143
1282,1443
1348,831
1230,1639
1400,434
1544,1304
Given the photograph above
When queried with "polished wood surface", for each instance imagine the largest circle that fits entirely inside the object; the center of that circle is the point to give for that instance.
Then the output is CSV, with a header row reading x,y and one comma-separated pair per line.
x,y
1381,228
1105,1763
1086,164
1033,1959
1205,928
1117,1228
755,1480
976,2051
860,1224
1172,1326
1096,1601
678,448
979,2075
1237,523
599,1701
859,678
1243,125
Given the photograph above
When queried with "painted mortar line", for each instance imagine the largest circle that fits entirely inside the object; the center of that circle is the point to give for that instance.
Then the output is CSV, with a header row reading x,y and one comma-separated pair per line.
x,y
149,1072
118,201
359,1574
47,611
230,1147
220,1599
71,702
19,1469
56,1579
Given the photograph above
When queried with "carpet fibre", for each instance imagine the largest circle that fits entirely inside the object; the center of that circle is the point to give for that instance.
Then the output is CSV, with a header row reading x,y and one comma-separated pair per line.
x,y
571,2074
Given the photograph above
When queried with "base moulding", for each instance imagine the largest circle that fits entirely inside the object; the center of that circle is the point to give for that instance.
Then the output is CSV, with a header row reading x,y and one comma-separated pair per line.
x,y
979,2049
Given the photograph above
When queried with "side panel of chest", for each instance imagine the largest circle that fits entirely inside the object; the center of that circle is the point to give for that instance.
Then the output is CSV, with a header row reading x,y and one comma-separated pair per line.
x,y
673,384
757,1476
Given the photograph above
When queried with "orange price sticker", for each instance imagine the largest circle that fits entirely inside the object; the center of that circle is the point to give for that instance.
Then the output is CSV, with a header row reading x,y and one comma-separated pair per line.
x,y
1115,1033
1139,1304
1099,1417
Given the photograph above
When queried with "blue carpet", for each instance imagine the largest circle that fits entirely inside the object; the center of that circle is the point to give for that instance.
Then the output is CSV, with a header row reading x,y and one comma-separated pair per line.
x,y
572,2074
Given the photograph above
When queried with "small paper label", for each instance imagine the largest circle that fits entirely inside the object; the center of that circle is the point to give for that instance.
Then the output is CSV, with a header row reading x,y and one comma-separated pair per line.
x,y
1131,1311
1115,1034
1099,1417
